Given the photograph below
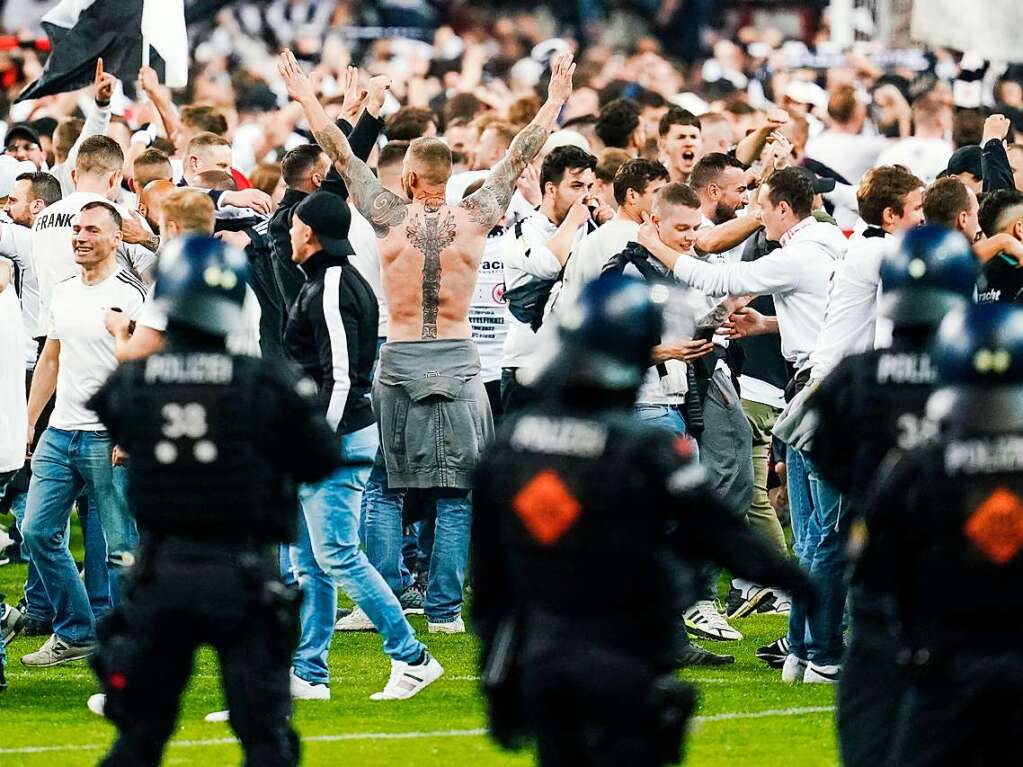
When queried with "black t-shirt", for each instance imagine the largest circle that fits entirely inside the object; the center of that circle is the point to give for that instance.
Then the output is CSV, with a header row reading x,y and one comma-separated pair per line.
x,y
1001,280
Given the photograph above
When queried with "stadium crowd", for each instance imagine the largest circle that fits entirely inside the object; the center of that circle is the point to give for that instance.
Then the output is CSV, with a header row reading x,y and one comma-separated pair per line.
x,y
765,174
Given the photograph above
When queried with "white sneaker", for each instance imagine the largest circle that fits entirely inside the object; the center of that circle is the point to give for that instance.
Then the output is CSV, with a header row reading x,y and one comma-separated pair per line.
x,y
793,670
782,604
96,703
815,674
457,626
356,620
704,620
407,680
303,690
218,716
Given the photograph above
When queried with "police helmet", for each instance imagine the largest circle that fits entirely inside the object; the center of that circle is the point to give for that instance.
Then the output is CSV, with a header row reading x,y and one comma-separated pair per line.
x,y
609,331
201,283
930,272
978,358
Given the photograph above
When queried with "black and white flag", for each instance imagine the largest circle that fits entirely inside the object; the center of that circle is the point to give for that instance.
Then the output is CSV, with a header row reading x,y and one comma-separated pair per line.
x,y
82,31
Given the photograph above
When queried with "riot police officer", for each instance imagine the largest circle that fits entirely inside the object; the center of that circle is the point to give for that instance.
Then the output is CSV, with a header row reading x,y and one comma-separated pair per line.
x,y
577,490
953,510
217,443
873,402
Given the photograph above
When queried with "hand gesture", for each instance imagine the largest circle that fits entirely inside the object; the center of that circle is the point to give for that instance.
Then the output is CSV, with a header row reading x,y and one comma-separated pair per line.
x,y
578,214
562,69
149,81
528,184
116,323
103,84
693,349
996,126
648,236
379,87
238,240
300,87
133,231
776,118
743,323
253,199
353,95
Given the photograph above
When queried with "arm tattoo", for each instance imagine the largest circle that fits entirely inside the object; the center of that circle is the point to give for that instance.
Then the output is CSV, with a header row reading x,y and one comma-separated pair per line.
x,y
383,209
487,205
430,234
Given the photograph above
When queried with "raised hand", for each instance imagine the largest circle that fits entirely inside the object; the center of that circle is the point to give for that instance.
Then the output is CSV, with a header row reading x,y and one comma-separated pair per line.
x,y
300,87
354,97
996,126
562,69
149,81
379,87
103,84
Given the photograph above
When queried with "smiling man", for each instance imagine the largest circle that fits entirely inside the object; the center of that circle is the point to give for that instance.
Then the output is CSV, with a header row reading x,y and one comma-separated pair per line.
x,y
75,452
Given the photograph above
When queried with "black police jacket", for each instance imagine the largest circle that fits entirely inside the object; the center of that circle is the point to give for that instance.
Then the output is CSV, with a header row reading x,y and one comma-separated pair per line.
x,y
217,443
953,512
590,516
332,334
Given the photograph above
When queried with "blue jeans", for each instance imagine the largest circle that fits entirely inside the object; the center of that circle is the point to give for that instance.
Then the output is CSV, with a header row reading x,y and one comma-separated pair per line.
x,y
64,464
329,542
449,553
819,537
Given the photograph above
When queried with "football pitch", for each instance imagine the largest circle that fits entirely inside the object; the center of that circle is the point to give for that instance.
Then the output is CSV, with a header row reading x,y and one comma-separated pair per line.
x,y
746,716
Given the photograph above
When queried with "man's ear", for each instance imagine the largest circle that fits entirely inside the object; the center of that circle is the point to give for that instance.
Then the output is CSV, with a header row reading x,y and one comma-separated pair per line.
x,y
888,217
37,205
1017,230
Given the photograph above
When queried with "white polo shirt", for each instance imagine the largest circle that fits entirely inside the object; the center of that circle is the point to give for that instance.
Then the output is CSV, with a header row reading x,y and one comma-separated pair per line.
x,y
87,355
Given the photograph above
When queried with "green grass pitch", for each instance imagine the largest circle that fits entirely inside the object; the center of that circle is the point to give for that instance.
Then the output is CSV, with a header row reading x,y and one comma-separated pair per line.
x,y
746,717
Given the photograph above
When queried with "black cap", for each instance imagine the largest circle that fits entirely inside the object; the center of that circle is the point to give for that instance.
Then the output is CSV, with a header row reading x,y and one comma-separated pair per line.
x,y
966,159
821,185
257,98
330,219
21,130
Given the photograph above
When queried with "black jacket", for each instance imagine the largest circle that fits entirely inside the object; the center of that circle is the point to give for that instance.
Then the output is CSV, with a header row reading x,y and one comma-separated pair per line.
x,y
332,334
289,277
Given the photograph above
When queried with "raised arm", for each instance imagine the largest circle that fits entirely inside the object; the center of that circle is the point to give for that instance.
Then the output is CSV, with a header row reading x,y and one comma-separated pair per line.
x,y
488,205
383,209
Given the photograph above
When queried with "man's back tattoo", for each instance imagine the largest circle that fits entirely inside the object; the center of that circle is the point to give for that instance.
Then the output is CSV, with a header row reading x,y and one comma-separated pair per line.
x,y
430,233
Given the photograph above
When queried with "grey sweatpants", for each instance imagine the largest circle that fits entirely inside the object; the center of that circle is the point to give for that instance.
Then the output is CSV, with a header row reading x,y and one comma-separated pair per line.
x,y
726,452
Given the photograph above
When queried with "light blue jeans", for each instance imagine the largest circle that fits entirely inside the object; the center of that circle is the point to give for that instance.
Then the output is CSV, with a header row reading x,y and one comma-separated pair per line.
x,y
65,463
819,537
327,555
382,509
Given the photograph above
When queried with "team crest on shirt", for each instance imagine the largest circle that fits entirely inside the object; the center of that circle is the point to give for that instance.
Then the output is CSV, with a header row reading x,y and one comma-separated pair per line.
x,y
498,293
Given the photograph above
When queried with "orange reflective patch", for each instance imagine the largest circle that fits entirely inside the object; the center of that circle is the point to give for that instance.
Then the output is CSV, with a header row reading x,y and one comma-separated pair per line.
x,y
684,447
546,507
996,526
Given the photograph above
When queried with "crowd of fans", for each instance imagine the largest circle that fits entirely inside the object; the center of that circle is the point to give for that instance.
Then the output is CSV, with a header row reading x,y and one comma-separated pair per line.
x,y
766,174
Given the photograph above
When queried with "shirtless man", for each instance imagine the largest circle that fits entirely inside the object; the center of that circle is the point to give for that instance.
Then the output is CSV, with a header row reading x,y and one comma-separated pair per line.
x,y
429,396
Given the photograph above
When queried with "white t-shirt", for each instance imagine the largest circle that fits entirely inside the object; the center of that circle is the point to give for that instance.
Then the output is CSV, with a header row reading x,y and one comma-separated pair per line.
x,y
487,310
51,247
16,244
593,251
244,340
926,157
87,355
13,417
367,261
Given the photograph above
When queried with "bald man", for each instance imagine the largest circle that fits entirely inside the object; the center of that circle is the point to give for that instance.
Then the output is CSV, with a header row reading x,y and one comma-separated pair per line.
x,y
151,200
429,394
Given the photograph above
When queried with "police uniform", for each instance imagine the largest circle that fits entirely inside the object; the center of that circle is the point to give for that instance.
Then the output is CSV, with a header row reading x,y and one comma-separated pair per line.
x,y
572,487
871,403
953,510
217,443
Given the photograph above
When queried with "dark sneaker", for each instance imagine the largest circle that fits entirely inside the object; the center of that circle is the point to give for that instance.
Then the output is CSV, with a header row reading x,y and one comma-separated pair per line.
x,y
34,627
412,601
55,652
746,601
3,678
11,622
774,654
694,655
